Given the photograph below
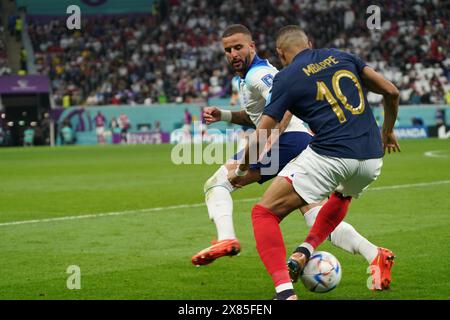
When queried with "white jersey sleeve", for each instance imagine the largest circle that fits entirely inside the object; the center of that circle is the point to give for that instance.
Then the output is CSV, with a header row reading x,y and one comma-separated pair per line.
x,y
254,91
261,80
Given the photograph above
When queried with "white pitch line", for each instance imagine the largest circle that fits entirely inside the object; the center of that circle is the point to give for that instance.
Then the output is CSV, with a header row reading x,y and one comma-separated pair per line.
x,y
107,214
194,205
437,154
412,185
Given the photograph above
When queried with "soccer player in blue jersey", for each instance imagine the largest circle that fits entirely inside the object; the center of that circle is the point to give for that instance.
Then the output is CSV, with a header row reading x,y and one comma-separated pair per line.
x,y
327,89
253,83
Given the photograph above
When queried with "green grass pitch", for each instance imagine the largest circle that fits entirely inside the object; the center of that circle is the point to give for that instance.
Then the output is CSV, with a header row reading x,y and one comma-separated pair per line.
x,y
136,252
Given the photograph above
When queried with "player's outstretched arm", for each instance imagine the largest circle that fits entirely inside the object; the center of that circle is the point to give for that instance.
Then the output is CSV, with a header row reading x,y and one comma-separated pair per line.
x,y
263,132
241,118
375,82
285,121
281,128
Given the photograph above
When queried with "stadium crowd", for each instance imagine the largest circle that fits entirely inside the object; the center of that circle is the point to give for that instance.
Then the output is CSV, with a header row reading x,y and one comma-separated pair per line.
x,y
4,69
175,54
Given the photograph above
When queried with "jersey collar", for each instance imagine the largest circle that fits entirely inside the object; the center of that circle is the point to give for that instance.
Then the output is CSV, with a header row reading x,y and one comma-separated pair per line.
x,y
256,62
301,53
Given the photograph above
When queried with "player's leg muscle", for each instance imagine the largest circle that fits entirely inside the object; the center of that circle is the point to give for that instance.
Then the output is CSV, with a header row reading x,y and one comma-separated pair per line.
x,y
281,198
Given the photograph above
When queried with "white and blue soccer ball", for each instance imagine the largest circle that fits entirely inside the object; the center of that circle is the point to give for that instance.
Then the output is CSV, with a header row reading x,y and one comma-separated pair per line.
x,y
322,273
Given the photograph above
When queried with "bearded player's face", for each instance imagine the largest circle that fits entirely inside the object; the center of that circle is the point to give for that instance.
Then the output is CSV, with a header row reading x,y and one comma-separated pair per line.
x,y
239,51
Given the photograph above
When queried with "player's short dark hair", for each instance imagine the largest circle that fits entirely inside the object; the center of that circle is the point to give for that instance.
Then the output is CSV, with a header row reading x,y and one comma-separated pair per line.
x,y
236,28
289,33
288,29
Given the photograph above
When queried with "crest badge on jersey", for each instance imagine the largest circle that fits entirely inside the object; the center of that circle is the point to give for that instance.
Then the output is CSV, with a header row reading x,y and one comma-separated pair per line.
x,y
268,80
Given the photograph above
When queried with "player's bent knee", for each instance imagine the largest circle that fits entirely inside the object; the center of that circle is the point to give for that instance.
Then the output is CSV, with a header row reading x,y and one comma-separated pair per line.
x,y
340,195
260,212
218,179
277,207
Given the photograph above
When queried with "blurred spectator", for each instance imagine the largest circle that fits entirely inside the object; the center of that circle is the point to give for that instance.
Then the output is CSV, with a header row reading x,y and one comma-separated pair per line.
x,y
187,120
45,126
2,136
4,69
11,24
417,121
100,122
67,134
115,130
28,136
441,124
235,91
18,28
23,58
4,131
66,100
157,127
440,117
124,125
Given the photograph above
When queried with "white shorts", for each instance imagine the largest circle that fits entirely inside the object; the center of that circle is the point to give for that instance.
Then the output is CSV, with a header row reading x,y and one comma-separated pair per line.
x,y
314,176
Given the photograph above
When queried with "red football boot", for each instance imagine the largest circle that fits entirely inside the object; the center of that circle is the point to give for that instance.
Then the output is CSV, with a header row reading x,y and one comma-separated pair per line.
x,y
229,247
381,268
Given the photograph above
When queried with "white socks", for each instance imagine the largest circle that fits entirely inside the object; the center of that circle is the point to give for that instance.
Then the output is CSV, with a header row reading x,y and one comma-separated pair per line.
x,y
220,204
283,287
220,208
346,237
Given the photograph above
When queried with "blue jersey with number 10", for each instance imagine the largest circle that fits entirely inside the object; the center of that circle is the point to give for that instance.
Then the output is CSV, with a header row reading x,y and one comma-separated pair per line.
x,y
323,87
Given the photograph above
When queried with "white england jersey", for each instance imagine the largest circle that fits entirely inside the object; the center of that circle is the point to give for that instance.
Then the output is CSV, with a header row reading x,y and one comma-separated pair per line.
x,y
254,90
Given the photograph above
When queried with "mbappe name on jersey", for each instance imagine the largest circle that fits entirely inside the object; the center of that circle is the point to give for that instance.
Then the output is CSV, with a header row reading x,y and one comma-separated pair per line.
x,y
316,67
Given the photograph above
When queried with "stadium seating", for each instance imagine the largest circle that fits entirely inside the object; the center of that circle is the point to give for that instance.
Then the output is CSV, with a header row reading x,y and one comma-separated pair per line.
x,y
176,56
4,69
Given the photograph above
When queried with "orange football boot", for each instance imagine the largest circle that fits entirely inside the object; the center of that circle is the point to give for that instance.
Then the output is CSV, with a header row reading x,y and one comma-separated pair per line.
x,y
384,262
229,247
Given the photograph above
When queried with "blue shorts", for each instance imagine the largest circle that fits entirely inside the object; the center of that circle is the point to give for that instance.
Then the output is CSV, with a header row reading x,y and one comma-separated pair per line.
x,y
289,146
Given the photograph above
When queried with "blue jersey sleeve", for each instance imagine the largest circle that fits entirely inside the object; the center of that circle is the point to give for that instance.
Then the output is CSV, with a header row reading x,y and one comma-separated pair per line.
x,y
278,100
360,64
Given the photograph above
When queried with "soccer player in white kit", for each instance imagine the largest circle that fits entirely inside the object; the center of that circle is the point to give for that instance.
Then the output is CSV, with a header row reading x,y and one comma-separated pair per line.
x,y
255,81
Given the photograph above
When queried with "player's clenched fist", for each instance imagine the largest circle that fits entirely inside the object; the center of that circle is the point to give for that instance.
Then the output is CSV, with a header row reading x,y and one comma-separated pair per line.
x,y
211,114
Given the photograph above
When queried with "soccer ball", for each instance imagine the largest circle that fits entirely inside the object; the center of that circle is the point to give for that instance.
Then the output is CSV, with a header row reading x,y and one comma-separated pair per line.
x,y
322,273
